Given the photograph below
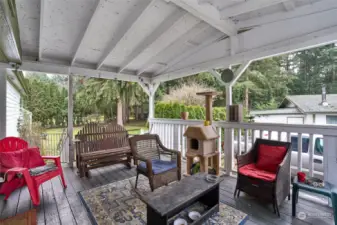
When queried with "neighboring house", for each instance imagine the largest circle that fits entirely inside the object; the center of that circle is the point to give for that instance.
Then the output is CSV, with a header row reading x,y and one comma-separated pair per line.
x,y
301,109
13,86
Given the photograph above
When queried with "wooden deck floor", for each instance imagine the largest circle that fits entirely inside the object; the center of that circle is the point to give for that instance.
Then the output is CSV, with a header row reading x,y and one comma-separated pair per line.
x,y
64,207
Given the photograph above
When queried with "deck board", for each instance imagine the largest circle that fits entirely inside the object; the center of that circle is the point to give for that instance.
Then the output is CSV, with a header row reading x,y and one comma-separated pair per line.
x,y
52,215
10,206
60,206
25,203
40,209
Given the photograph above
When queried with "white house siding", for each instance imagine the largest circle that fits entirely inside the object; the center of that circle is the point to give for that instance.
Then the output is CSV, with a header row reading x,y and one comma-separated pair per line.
x,y
278,118
320,119
309,119
12,110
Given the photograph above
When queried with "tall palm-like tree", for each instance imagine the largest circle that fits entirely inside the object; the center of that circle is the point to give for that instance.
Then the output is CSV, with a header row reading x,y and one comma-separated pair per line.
x,y
111,97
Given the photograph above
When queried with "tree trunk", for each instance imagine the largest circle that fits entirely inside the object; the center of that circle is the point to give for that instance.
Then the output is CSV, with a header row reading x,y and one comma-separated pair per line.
x,y
127,113
246,98
142,112
119,112
136,112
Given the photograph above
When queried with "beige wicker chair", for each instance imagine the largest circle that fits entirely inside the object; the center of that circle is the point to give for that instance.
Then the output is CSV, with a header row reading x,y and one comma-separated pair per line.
x,y
159,164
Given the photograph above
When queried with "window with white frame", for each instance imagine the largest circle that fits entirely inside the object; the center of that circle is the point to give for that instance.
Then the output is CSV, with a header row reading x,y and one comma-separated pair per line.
x,y
331,119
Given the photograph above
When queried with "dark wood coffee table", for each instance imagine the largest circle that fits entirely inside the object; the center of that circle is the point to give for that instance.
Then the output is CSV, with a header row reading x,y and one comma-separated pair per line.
x,y
166,202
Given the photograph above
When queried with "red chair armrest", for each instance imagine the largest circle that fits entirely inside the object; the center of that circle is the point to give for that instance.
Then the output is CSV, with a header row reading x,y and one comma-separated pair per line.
x,y
51,157
57,159
34,147
11,172
16,170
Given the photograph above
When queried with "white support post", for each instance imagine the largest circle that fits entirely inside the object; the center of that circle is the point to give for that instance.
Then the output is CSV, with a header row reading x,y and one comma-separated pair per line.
x,y
152,91
70,120
234,44
3,95
229,134
330,159
151,106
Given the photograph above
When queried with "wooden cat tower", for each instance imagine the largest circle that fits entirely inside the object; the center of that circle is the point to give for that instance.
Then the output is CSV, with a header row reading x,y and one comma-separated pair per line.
x,y
201,141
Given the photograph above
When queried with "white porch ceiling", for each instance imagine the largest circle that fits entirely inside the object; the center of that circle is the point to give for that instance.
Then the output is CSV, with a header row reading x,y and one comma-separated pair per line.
x,y
160,40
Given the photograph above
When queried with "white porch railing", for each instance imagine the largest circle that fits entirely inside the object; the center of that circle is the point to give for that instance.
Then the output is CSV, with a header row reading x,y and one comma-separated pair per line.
x,y
307,140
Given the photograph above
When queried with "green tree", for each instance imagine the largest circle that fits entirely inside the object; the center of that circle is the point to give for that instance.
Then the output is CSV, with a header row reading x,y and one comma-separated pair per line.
x,y
110,97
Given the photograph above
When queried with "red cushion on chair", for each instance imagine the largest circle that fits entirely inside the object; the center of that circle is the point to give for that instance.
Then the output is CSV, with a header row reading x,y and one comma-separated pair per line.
x,y
251,170
35,158
270,157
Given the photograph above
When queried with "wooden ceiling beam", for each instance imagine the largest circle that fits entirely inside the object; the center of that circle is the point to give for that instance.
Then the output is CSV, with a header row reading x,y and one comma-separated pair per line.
x,y
247,6
42,12
176,18
207,13
184,39
128,25
85,32
317,7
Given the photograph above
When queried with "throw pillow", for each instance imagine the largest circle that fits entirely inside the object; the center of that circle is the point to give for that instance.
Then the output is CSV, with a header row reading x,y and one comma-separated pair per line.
x,y
269,157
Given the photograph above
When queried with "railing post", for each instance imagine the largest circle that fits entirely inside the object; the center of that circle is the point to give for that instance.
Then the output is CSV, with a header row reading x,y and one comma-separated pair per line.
x,y
220,145
311,155
70,120
176,137
246,140
183,141
299,152
179,136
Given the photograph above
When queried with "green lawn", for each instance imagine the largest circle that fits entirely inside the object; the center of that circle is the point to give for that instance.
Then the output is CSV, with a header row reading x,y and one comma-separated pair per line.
x,y
133,128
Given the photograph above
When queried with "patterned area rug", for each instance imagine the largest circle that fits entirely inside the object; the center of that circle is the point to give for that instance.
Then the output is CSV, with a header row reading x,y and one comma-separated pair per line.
x,y
27,218
118,204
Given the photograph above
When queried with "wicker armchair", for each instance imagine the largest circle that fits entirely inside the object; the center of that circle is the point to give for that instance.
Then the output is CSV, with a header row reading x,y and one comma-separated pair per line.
x,y
264,172
159,164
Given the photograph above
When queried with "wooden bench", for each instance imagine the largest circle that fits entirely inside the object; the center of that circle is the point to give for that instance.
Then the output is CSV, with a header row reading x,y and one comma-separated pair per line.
x,y
99,145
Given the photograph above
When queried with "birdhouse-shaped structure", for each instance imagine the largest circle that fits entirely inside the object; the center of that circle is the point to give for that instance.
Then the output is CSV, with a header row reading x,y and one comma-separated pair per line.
x,y
201,140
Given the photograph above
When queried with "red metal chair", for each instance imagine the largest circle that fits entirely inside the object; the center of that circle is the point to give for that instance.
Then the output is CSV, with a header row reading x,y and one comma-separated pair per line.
x,y
16,160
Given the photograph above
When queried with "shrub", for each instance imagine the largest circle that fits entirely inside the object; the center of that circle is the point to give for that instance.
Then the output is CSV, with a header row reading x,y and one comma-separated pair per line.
x,y
196,112
186,94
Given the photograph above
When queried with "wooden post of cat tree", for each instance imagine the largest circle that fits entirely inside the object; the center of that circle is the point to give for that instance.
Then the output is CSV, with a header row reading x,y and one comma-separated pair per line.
x,y
208,105
209,117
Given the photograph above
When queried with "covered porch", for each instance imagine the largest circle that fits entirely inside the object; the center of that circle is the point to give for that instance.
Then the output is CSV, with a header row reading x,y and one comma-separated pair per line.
x,y
153,41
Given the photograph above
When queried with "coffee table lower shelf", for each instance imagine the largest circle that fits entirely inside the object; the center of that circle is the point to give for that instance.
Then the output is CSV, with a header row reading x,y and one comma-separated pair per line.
x,y
206,204
204,217
170,221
